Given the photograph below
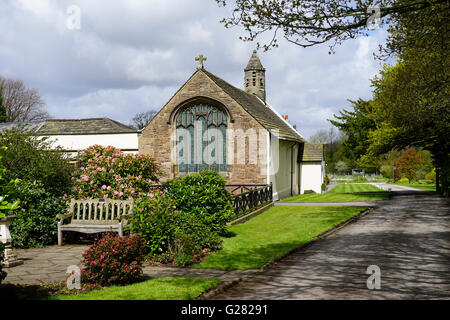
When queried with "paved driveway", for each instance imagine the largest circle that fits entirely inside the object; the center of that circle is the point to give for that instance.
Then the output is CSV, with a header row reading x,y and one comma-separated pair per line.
x,y
408,239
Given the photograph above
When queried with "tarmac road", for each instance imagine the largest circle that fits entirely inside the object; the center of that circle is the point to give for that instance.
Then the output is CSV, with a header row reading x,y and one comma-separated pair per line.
x,y
408,238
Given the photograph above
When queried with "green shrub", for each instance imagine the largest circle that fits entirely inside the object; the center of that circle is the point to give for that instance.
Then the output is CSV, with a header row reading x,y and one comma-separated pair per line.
x,y
182,248
185,247
154,220
170,235
35,224
2,256
202,235
404,180
113,260
323,187
8,203
431,176
29,157
105,172
203,196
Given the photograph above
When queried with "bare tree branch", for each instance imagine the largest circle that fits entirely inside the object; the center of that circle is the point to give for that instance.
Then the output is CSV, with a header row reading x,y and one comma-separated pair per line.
x,y
311,22
141,119
21,103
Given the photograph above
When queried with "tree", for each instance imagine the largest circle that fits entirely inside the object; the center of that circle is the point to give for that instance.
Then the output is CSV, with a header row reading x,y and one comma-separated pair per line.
x,y
21,103
321,136
357,124
3,116
141,119
387,162
341,167
410,105
332,141
409,164
33,158
310,22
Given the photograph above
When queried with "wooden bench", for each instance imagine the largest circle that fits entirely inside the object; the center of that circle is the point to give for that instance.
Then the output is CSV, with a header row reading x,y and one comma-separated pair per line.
x,y
95,215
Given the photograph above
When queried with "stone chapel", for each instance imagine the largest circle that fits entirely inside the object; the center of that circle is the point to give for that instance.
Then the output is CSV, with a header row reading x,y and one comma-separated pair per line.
x,y
209,124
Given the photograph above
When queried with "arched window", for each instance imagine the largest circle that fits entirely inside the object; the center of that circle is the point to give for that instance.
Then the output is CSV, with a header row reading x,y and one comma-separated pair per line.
x,y
201,139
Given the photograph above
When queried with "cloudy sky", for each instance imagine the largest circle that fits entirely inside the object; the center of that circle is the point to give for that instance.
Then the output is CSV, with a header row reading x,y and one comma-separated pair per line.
x,y
129,56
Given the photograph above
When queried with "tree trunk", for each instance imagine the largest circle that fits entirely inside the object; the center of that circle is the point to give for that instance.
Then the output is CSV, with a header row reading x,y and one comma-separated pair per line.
x,y
437,179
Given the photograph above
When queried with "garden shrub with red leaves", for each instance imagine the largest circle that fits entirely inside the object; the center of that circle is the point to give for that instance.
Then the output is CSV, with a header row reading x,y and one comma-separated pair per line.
x,y
113,260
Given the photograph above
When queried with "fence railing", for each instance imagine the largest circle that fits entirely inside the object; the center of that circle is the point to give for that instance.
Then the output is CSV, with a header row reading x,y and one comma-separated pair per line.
x,y
244,197
235,189
253,199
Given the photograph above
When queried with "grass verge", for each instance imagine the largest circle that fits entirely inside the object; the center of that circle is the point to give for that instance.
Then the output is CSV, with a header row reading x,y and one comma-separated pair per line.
x,y
273,233
335,197
421,186
355,187
155,289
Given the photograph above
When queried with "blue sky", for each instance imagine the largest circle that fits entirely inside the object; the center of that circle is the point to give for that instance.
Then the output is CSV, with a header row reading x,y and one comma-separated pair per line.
x,y
130,56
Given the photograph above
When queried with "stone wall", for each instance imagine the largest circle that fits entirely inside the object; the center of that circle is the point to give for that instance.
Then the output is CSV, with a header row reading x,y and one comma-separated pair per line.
x,y
156,139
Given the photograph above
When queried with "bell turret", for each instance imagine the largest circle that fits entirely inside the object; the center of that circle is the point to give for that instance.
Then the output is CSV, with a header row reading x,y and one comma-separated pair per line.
x,y
255,77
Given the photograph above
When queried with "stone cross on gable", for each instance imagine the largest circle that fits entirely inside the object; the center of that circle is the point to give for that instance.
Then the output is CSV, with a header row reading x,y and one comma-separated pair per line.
x,y
200,60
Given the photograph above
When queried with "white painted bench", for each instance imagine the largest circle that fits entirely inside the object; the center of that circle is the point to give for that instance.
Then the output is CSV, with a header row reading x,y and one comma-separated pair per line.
x,y
95,215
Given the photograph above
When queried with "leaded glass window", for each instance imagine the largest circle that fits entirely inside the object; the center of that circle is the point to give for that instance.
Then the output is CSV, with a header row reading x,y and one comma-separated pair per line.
x,y
201,139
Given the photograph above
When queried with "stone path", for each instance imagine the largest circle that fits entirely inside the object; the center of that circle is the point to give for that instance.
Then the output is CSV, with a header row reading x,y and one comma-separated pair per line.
x,y
49,265
44,265
408,238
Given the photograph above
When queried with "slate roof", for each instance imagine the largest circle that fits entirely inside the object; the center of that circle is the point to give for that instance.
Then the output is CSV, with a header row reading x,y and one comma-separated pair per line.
x,y
74,126
254,63
32,126
312,152
262,113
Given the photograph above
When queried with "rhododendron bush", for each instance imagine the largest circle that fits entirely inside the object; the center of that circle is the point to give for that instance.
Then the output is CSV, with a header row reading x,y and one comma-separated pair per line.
x,y
105,172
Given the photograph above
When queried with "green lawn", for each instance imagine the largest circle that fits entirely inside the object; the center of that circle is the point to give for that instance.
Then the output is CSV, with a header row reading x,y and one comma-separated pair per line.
x,y
273,233
422,186
335,197
353,192
354,187
155,289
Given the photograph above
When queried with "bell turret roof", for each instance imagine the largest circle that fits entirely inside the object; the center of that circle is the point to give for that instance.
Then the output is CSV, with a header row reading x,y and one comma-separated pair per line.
x,y
254,63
